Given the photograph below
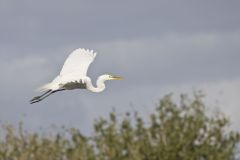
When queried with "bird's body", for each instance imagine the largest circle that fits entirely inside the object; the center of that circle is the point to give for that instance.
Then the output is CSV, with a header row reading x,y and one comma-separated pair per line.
x,y
74,75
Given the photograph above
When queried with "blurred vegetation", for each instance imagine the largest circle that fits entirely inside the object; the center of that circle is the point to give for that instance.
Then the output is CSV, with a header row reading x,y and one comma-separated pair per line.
x,y
175,131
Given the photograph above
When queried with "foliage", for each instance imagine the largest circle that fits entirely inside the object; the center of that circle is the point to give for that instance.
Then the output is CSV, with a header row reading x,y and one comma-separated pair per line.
x,y
181,131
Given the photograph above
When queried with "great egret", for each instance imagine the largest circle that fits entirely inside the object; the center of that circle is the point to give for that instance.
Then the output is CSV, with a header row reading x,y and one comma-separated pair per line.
x,y
74,75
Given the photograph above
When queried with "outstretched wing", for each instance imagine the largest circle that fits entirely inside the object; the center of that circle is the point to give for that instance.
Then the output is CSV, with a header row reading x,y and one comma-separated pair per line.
x,y
78,62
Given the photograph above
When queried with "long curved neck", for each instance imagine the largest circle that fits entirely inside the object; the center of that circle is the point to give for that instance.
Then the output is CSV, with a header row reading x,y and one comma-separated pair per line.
x,y
100,85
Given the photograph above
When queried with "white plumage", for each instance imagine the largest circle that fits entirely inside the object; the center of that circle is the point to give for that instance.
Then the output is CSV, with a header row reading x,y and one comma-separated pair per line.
x,y
74,75
74,69
78,62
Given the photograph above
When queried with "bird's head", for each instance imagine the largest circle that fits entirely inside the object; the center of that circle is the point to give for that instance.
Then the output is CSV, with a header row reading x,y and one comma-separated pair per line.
x,y
110,77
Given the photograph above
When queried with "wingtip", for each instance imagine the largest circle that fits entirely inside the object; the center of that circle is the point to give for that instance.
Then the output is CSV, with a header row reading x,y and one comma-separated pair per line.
x,y
92,52
95,54
89,52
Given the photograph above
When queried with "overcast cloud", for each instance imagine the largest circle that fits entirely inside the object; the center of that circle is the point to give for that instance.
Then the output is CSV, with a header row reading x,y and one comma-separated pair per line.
x,y
157,46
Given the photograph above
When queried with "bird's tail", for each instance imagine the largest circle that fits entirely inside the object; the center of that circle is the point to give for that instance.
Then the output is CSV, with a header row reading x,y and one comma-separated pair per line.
x,y
44,88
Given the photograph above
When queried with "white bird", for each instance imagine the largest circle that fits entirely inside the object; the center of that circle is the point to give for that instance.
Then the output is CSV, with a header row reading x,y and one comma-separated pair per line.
x,y
74,75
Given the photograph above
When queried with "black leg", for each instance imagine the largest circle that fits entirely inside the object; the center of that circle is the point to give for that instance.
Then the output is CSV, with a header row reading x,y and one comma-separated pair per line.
x,y
38,97
41,98
45,95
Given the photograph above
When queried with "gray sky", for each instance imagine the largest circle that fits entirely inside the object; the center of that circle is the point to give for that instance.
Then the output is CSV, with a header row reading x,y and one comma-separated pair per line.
x,y
157,46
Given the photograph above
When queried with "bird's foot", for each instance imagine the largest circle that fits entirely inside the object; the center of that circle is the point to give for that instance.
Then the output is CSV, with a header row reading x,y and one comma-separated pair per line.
x,y
35,101
35,98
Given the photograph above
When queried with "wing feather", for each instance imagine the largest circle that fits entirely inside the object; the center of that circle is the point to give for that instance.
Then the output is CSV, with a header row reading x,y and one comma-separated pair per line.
x,y
78,62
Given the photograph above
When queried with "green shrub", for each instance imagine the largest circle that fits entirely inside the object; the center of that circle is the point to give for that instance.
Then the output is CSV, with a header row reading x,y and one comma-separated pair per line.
x,y
175,131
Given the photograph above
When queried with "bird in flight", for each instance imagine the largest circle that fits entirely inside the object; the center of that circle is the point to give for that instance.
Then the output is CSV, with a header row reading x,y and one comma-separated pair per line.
x,y
74,75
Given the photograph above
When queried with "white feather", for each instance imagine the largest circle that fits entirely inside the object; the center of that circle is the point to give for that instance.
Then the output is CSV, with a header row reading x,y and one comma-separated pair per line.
x,y
44,88
74,69
78,62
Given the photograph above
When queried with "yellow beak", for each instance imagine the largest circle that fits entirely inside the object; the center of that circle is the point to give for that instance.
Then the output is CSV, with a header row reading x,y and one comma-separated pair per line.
x,y
117,77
